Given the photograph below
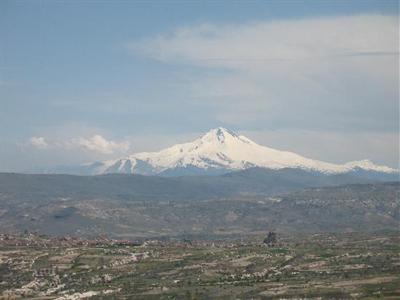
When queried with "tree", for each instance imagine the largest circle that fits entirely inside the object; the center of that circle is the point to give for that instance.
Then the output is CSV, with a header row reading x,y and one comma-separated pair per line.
x,y
271,239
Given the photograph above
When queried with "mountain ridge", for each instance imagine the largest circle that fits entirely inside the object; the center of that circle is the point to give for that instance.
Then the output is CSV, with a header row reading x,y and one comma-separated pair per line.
x,y
219,151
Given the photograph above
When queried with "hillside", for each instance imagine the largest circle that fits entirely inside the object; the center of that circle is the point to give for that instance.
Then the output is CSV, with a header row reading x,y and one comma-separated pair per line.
x,y
230,205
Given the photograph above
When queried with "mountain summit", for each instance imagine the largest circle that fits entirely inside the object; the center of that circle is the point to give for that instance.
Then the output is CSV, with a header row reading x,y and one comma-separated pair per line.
x,y
219,151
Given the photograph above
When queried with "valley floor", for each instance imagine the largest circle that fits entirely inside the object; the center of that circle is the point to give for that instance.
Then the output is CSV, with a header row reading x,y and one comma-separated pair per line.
x,y
327,266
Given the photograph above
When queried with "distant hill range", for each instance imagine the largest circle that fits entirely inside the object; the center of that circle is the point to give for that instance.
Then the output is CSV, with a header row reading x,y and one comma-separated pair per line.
x,y
222,151
235,204
253,181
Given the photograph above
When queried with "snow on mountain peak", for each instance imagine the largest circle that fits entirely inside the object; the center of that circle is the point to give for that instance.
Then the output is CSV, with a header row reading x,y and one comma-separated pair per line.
x,y
224,150
366,164
219,135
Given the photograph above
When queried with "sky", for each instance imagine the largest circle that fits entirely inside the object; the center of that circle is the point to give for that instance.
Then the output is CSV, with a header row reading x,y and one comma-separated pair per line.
x,y
92,80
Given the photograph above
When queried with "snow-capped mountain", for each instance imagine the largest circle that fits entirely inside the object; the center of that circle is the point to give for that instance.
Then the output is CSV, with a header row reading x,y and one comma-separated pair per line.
x,y
218,151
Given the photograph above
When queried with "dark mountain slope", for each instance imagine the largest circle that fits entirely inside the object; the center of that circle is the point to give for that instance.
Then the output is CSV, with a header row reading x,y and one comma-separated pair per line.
x,y
253,181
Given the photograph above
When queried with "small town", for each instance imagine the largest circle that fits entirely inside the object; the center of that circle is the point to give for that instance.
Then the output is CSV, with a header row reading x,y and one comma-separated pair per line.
x,y
330,265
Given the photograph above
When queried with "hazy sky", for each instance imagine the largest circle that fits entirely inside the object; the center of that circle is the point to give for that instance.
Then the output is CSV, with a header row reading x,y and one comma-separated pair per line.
x,y
88,80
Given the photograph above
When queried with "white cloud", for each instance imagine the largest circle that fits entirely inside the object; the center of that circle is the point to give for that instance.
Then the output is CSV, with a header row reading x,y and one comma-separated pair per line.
x,y
38,142
330,72
276,43
96,144
99,144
